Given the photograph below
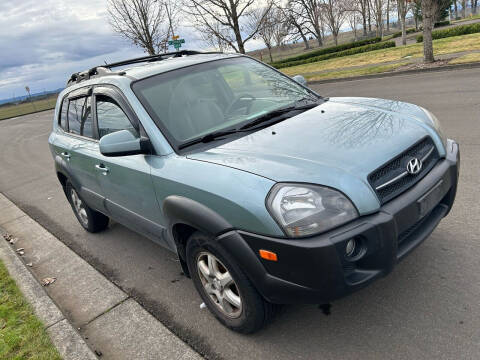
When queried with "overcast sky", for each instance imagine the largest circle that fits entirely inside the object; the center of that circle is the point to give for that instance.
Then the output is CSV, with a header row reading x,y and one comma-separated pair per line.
x,y
42,42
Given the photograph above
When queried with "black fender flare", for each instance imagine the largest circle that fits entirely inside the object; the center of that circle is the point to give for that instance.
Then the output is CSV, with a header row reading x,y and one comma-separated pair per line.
x,y
181,210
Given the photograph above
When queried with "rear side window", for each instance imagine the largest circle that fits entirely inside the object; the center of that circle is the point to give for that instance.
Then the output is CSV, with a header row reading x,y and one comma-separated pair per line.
x,y
80,121
111,118
63,114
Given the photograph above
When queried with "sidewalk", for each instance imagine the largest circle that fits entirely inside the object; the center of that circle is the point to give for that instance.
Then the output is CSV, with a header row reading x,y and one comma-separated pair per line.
x,y
81,307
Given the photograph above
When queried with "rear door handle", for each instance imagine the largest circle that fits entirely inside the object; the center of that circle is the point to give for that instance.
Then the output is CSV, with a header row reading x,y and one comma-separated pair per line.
x,y
102,168
66,155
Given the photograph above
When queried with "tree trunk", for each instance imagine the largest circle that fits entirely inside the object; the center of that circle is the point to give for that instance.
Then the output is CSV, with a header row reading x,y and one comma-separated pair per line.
x,y
270,53
388,15
364,23
402,4
305,40
464,5
369,18
474,7
428,12
456,8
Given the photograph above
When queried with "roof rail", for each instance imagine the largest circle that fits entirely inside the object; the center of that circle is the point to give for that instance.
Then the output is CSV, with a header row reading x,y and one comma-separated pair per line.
x,y
106,69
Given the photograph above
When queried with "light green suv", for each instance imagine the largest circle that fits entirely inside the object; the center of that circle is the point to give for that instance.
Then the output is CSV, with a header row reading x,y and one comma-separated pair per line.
x,y
268,193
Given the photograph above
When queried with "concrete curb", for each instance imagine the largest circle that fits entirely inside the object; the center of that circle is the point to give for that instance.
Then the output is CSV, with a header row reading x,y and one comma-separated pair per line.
x,y
64,337
82,309
398,73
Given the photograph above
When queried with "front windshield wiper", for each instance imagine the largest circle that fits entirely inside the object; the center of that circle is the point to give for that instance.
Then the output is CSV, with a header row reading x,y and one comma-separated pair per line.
x,y
208,138
275,114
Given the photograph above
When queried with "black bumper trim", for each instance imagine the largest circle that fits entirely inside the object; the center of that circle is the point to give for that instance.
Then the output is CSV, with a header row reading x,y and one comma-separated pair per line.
x,y
315,270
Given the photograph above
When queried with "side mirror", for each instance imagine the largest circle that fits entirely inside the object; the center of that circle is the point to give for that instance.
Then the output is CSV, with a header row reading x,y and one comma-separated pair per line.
x,y
123,143
300,79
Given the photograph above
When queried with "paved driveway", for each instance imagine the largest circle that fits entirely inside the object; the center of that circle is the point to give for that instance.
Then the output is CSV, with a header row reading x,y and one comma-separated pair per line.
x,y
429,307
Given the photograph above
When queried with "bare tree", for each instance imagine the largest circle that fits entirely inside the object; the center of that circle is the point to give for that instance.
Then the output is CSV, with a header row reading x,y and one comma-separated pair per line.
x,y
335,14
378,7
229,14
364,10
474,7
211,39
311,11
294,22
354,16
267,26
140,21
402,13
429,8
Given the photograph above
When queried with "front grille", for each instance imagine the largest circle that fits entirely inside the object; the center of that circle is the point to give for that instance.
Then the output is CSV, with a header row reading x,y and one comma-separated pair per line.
x,y
391,179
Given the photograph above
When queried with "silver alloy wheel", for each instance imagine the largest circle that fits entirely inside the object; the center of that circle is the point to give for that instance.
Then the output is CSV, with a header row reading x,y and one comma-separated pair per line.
x,y
219,284
79,207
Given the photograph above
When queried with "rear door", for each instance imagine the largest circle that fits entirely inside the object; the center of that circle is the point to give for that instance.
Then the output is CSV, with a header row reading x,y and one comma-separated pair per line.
x,y
60,141
83,151
126,180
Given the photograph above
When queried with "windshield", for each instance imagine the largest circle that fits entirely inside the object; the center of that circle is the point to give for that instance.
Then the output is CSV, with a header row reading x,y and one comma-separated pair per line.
x,y
225,94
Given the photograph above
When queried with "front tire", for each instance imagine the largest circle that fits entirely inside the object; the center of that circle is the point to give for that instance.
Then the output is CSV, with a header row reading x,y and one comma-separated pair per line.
x,y
91,220
224,288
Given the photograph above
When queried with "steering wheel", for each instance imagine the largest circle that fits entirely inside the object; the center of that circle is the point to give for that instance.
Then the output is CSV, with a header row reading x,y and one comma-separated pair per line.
x,y
238,100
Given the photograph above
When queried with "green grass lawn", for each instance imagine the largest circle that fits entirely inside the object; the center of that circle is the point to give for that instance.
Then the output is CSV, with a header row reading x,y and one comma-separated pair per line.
x,y
8,111
380,57
22,335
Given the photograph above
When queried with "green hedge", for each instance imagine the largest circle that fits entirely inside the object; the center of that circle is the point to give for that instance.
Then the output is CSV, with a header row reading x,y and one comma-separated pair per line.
x,y
453,31
358,50
441,23
328,50
408,31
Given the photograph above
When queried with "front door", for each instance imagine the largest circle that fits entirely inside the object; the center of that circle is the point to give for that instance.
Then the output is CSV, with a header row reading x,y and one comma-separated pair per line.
x,y
126,180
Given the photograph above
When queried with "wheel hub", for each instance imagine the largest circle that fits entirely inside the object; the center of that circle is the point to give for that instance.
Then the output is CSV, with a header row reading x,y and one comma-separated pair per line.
x,y
219,285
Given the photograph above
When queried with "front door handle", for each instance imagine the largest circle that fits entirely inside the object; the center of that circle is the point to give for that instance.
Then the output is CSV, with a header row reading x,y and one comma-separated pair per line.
x,y
66,155
102,168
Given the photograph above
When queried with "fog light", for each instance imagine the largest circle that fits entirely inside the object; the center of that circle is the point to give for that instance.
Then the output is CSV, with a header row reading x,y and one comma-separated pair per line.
x,y
350,247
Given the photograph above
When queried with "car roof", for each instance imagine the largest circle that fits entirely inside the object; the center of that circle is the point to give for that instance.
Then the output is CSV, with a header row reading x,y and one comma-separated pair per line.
x,y
139,68
157,67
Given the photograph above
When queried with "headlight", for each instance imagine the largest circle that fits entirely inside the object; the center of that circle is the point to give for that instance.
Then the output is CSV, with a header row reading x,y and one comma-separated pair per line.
x,y
436,125
303,209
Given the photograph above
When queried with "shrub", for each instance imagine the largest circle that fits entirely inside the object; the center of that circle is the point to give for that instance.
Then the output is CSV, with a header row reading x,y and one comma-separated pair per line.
x,y
329,50
353,51
408,31
453,31
441,23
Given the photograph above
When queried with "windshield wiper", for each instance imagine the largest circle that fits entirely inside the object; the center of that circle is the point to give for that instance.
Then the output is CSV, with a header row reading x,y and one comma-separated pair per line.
x,y
208,138
276,115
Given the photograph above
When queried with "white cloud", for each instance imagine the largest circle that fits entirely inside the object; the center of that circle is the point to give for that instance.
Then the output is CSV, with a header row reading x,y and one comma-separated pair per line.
x,y
43,42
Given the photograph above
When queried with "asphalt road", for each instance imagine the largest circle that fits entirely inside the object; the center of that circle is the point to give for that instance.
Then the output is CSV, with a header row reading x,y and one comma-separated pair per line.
x,y
429,307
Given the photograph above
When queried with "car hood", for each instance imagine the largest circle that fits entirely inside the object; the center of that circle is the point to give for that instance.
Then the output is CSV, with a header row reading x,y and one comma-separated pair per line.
x,y
336,144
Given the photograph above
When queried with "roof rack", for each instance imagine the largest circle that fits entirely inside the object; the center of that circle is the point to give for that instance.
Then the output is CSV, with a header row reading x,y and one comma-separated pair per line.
x,y
104,70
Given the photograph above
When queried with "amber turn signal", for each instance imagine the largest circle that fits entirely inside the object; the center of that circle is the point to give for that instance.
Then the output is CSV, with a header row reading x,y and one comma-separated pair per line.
x,y
268,255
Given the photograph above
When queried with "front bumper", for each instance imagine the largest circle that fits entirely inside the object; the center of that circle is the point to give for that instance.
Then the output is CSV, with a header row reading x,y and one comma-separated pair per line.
x,y
315,269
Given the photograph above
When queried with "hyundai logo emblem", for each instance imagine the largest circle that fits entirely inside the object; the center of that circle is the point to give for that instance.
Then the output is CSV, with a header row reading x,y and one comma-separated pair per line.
x,y
414,166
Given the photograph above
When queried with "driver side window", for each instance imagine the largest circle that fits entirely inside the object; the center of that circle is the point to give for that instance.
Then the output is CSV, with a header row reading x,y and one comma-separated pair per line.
x,y
111,118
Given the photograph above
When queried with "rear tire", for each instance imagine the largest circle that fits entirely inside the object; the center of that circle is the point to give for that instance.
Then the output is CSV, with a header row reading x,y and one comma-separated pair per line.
x,y
91,220
220,280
